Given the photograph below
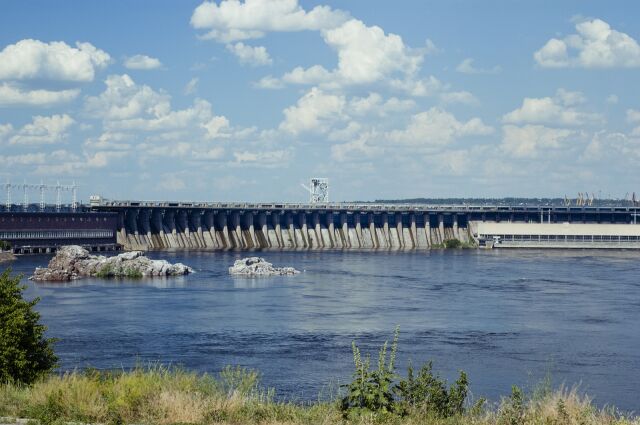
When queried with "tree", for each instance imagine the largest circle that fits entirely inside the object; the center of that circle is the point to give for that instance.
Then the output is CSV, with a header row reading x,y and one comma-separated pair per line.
x,y
25,353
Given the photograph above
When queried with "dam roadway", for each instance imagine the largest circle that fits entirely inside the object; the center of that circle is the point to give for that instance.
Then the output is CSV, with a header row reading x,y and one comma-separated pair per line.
x,y
153,225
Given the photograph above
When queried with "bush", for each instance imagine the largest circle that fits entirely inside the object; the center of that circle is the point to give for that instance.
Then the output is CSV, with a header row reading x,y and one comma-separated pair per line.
x,y
5,246
25,354
428,393
372,390
376,391
452,244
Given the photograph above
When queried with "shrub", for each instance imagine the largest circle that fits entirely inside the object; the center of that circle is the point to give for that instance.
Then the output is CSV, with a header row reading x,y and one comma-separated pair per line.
x,y
372,390
25,354
429,393
105,271
452,244
5,246
377,391
133,273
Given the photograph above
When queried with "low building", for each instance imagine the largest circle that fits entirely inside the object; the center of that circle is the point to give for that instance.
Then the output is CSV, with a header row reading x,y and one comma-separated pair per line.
x,y
36,232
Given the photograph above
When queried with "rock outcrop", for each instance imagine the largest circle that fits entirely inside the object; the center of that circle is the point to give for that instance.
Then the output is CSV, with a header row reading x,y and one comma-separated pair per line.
x,y
256,266
72,262
6,256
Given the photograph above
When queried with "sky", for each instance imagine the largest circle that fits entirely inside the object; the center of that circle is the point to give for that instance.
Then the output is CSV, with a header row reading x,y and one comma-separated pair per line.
x,y
235,100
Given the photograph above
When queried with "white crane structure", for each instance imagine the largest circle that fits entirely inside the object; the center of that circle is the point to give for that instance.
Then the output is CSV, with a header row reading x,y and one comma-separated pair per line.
x,y
42,189
318,190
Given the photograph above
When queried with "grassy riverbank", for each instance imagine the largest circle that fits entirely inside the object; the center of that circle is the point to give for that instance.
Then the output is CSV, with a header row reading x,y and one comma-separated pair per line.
x,y
170,396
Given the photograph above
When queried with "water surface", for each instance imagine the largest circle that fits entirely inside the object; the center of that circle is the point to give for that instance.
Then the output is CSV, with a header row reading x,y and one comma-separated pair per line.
x,y
505,317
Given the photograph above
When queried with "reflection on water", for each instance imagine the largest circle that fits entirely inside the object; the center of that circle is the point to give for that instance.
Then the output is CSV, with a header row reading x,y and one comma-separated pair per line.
x,y
506,317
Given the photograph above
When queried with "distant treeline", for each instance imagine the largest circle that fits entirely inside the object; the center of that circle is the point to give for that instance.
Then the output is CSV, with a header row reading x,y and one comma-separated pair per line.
x,y
505,201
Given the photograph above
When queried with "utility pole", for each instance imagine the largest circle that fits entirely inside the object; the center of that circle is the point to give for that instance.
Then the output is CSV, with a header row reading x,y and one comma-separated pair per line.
x,y
8,199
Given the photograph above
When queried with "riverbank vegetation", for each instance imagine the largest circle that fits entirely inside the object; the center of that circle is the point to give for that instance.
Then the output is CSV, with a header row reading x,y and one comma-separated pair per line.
x,y
164,396
455,244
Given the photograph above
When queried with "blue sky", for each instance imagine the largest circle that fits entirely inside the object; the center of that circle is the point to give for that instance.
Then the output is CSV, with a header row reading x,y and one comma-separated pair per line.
x,y
245,100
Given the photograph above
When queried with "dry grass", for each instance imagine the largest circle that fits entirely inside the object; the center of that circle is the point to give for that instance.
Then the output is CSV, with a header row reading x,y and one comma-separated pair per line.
x,y
171,396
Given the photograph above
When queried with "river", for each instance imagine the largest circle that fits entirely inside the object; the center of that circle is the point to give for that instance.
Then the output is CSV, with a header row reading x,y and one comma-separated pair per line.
x,y
504,316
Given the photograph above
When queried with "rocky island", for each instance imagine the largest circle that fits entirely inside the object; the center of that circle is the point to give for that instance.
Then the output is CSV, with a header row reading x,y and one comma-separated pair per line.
x,y
73,262
257,266
6,256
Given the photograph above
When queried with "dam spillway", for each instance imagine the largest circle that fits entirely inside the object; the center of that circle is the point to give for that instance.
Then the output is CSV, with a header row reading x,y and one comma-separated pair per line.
x,y
153,225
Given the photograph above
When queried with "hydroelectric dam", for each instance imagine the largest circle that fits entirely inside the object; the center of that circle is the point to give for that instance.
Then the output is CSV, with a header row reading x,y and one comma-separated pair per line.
x,y
158,225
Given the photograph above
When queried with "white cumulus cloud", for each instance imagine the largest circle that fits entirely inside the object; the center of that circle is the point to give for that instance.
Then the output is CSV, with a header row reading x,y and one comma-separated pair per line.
x,y
14,95
142,62
43,130
596,45
250,55
234,20
34,59
467,67
313,111
560,110
528,140
437,127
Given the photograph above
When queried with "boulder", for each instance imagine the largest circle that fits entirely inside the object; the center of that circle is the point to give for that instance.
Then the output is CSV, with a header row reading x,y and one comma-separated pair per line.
x,y
256,266
72,262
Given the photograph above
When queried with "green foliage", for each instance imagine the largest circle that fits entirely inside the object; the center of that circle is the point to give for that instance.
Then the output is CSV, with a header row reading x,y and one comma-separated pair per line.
x,y
452,244
512,411
239,381
372,390
428,392
5,246
106,271
25,354
133,273
377,390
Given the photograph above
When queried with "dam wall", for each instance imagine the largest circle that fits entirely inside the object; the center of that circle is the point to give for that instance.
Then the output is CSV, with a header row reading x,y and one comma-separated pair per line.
x,y
154,225
229,229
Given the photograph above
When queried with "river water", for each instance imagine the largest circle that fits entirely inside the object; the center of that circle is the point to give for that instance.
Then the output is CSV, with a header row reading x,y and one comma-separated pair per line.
x,y
504,316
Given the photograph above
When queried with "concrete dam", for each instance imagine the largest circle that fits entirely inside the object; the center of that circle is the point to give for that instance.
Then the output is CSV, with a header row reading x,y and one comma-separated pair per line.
x,y
150,225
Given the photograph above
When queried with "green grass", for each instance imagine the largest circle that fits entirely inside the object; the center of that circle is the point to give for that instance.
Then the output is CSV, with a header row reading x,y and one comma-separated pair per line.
x,y
161,395
108,271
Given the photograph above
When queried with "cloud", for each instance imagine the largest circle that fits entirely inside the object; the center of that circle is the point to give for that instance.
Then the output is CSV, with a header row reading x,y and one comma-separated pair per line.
x,y
191,86
633,116
463,97
424,87
437,127
262,158
596,45
142,62
234,20
466,67
559,110
316,74
313,111
33,59
365,55
172,183
43,130
254,56
123,99
13,95
25,159
526,141
270,83
363,146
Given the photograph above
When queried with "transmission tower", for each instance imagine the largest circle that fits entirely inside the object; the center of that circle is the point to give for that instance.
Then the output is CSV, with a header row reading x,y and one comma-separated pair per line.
x,y
318,190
